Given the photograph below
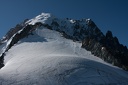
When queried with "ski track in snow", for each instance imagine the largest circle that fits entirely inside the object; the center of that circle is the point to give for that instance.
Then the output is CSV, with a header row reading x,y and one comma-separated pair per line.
x,y
46,58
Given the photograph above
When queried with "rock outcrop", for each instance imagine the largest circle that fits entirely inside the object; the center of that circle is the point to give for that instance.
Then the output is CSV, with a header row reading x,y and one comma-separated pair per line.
x,y
108,48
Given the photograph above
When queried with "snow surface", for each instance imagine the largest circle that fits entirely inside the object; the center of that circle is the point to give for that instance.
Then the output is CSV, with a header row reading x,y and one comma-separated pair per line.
x,y
44,18
47,58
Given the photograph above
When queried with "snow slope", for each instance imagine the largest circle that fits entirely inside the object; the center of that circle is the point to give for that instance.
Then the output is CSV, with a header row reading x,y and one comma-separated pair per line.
x,y
47,58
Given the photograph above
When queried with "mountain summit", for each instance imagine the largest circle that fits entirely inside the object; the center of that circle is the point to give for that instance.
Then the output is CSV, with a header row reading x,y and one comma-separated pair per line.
x,y
47,50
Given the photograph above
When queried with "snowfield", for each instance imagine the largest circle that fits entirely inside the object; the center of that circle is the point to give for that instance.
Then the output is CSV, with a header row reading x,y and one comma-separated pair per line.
x,y
47,58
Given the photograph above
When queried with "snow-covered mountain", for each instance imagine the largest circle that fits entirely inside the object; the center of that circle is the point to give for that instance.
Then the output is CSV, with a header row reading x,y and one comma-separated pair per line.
x,y
46,50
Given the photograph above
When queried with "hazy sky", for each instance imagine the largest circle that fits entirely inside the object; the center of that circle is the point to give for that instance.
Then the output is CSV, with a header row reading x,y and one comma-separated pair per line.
x,y
107,14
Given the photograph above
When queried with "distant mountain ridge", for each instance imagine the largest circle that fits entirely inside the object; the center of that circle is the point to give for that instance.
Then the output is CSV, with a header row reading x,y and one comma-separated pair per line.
x,y
106,46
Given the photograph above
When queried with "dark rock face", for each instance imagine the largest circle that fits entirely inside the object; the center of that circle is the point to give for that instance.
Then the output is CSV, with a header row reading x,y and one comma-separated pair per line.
x,y
109,49
2,60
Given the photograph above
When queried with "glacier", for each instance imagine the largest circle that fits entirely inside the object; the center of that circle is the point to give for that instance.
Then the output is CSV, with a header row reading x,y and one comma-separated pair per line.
x,y
48,58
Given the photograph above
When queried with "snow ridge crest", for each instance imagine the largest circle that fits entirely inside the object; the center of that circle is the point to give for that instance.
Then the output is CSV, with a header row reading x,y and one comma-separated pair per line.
x,y
43,18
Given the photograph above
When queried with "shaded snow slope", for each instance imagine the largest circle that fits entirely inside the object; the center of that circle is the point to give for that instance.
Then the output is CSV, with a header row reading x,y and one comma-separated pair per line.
x,y
46,58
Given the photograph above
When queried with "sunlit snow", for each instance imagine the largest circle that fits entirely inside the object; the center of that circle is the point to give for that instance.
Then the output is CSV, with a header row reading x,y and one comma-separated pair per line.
x,y
47,58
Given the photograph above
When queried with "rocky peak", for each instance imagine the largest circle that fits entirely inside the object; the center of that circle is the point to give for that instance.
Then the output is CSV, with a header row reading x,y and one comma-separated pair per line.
x,y
90,23
109,35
